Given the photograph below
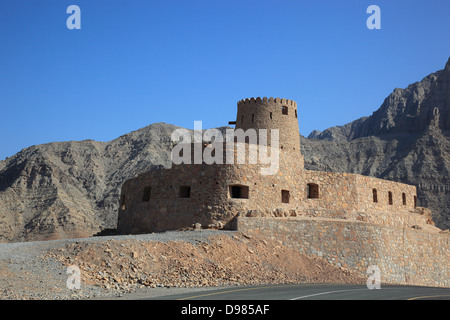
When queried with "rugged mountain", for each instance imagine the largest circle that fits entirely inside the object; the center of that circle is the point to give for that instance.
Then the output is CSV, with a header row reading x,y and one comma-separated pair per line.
x,y
407,140
409,110
71,189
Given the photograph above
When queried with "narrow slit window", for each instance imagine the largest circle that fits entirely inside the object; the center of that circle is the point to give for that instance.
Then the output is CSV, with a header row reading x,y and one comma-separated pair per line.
x,y
238,191
271,116
375,195
391,202
313,190
185,192
415,201
404,198
285,196
146,194
296,113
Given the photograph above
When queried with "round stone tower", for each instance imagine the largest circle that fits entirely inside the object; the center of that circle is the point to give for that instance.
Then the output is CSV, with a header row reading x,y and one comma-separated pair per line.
x,y
271,113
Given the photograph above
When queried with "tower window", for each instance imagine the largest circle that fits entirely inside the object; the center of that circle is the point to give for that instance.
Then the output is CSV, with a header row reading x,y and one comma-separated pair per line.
x,y
284,110
375,195
271,116
296,113
312,191
285,196
404,199
238,191
146,194
185,192
391,202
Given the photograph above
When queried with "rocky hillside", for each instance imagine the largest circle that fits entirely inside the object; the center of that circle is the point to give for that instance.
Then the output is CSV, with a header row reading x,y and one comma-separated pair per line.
x,y
407,139
411,110
71,189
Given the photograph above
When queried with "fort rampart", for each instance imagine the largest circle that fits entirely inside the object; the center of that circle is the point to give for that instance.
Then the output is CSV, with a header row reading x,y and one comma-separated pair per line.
x,y
404,255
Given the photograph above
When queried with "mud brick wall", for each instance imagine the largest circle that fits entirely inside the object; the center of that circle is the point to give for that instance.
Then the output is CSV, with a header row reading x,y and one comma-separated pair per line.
x,y
404,256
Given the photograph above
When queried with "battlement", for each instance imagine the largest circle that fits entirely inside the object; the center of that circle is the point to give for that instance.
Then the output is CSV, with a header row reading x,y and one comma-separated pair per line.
x,y
271,100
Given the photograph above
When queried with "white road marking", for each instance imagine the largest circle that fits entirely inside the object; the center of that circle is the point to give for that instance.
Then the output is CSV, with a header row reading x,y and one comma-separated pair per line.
x,y
328,292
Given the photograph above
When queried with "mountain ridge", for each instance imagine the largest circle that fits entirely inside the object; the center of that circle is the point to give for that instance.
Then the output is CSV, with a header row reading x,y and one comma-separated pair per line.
x,y
407,140
404,110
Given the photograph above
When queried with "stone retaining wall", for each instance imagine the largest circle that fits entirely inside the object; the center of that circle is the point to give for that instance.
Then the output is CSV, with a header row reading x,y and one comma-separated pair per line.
x,y
404,255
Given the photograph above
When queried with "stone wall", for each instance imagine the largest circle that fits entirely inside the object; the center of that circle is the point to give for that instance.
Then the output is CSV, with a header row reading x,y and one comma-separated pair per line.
x,y
210,201
400,192
337,194
345,195
404,255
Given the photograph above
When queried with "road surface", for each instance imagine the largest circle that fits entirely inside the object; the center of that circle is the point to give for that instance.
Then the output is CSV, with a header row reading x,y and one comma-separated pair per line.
x,y
317,292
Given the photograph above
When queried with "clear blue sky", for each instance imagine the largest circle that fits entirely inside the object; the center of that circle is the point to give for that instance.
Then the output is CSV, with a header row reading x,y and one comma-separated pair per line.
x,y
134,63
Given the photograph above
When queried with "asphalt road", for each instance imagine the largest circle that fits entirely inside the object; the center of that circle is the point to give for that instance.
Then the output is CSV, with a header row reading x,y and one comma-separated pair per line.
x,y
317,292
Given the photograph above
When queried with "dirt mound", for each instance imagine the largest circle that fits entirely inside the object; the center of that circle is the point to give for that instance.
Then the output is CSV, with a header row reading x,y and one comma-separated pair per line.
x,y
124,265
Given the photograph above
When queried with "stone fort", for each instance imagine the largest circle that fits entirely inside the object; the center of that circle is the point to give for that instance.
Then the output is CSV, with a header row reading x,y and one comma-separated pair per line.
x,y
348,219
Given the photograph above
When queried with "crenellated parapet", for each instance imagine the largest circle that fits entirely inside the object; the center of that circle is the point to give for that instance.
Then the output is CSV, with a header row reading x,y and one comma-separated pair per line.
x,y
270,100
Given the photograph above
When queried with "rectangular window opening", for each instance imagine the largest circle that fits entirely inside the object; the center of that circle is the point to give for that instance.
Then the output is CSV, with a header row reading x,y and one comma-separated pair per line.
x,y
284,110
313,191
238,191
185,192
404,198
146,194
375,195
391,202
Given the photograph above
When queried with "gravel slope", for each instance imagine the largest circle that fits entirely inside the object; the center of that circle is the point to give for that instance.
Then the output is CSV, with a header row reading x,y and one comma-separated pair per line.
x,y
147,265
